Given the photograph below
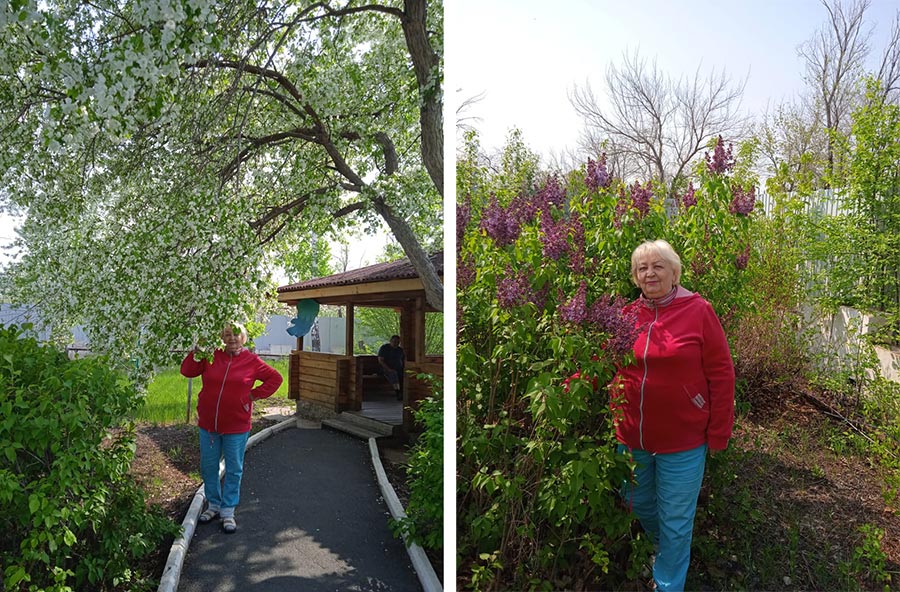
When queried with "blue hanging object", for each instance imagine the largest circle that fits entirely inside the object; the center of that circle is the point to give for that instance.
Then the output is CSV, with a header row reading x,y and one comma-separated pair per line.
x,y
307,311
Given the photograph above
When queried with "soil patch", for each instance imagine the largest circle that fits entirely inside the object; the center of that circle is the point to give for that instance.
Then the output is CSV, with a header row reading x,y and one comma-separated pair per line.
x,y
806,502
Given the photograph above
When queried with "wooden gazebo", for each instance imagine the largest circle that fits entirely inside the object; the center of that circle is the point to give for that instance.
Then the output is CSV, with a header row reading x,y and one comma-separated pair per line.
x,y
323,383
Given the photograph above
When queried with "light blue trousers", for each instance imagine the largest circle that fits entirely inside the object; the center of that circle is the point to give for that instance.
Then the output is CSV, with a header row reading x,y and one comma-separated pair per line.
x,y
664,498
223,496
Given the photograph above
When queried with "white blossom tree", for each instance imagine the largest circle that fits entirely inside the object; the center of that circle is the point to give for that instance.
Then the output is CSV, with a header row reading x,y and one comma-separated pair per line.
x,y
168,152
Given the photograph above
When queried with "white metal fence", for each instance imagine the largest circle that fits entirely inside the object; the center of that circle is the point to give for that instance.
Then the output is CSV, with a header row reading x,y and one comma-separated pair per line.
x,y
825,202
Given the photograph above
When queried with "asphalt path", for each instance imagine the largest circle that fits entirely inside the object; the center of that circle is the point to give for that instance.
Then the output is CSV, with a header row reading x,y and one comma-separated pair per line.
x,y
311,519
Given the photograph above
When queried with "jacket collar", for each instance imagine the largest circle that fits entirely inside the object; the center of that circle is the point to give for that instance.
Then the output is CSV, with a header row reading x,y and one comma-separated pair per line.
x,y
664,301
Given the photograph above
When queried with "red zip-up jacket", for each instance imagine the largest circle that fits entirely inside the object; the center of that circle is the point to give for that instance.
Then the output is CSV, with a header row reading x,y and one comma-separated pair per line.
x,y
679,393
224,404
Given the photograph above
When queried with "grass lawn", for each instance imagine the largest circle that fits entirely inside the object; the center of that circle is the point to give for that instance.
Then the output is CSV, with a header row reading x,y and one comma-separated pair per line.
x,y
167,395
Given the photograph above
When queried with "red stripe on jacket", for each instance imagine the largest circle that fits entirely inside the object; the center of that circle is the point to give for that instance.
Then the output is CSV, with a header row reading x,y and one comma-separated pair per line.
x,y
680,394
227,409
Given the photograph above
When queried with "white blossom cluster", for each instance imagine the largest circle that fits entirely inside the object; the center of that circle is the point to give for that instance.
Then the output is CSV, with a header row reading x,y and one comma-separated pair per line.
x,y
155,192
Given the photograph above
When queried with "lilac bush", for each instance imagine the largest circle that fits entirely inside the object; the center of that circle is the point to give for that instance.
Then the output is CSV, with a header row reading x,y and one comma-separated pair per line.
x,y
538,465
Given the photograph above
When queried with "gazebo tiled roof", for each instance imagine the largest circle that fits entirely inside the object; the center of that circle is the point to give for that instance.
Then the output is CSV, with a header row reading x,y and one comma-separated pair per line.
x,y
383,283
401,269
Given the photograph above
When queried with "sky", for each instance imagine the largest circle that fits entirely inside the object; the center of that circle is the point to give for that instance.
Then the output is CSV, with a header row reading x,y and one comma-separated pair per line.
x,y
526,56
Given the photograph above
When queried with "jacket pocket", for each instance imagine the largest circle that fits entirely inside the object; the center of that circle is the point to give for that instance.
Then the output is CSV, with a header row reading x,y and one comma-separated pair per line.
x,y
697,395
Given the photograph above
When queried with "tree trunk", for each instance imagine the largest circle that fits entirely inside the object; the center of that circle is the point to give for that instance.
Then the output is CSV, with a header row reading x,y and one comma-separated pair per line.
x,y
434,288
426,65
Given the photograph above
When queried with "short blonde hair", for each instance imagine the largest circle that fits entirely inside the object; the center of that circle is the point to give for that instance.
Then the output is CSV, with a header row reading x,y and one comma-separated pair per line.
x,y
661,248
242,331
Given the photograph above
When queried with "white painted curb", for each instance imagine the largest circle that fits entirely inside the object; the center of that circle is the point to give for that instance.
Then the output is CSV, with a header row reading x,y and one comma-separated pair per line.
x,y
424,570
172,571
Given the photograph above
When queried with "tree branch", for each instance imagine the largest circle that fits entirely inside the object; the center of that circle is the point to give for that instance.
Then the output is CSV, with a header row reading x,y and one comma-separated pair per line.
x,y
285,208
275,139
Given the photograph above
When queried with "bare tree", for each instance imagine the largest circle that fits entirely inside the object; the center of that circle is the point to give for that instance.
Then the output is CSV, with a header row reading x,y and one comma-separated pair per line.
x,y
464,122
792,147
834,59
656,125
889,70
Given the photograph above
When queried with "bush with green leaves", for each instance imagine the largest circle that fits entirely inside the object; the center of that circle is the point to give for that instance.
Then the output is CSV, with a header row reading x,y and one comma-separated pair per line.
x,y
71,519
543,276
858,247
424,522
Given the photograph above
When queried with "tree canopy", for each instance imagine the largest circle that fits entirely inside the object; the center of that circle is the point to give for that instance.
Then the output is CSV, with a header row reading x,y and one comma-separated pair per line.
x,y
167,152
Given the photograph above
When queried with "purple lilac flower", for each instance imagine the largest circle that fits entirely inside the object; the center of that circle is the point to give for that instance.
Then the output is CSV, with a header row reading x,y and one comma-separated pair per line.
x,y
722,160
689,199
597,175
743,258
513,289
500,224
575,310
608,315
463,216
524,208
640,198
539,297
554,236
551,194
576,249
743,201
465,272
699,267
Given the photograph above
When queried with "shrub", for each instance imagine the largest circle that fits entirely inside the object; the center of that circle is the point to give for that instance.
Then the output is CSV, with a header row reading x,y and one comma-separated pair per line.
x,y
543,274
71,517
771,360
424,522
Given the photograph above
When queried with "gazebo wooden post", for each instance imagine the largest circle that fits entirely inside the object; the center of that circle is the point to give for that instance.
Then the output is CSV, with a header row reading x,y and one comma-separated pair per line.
x,y
419,328
348,331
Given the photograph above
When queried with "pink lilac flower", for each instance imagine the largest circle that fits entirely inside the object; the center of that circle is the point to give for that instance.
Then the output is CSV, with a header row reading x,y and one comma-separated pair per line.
x,y
743,258
722,160
689,199
743,201
575,310
597,175
513,289
500,224
554,236
640,198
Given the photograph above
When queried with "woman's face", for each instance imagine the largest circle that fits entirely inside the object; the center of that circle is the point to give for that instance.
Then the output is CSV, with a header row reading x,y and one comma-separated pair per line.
x,y
655,277
233,343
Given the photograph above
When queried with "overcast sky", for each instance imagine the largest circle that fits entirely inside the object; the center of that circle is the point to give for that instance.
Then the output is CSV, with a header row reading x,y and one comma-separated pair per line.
x,y
527,55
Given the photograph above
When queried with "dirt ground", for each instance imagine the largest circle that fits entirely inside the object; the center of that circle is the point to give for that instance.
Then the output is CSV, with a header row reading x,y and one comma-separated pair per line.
x,y
806,500
167,466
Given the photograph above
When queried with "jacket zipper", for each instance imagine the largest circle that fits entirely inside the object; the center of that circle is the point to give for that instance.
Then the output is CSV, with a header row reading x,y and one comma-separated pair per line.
x,y
644,379
221,390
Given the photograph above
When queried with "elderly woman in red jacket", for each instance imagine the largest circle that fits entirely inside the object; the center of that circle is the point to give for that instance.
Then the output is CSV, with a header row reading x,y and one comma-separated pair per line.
x,y
224,407
675,403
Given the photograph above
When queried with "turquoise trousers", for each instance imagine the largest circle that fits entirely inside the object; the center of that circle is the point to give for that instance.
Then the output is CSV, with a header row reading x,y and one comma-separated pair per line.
x,y
223,496
663,496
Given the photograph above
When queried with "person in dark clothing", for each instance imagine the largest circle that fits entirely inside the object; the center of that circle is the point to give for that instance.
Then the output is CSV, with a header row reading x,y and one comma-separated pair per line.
x,y
391,360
